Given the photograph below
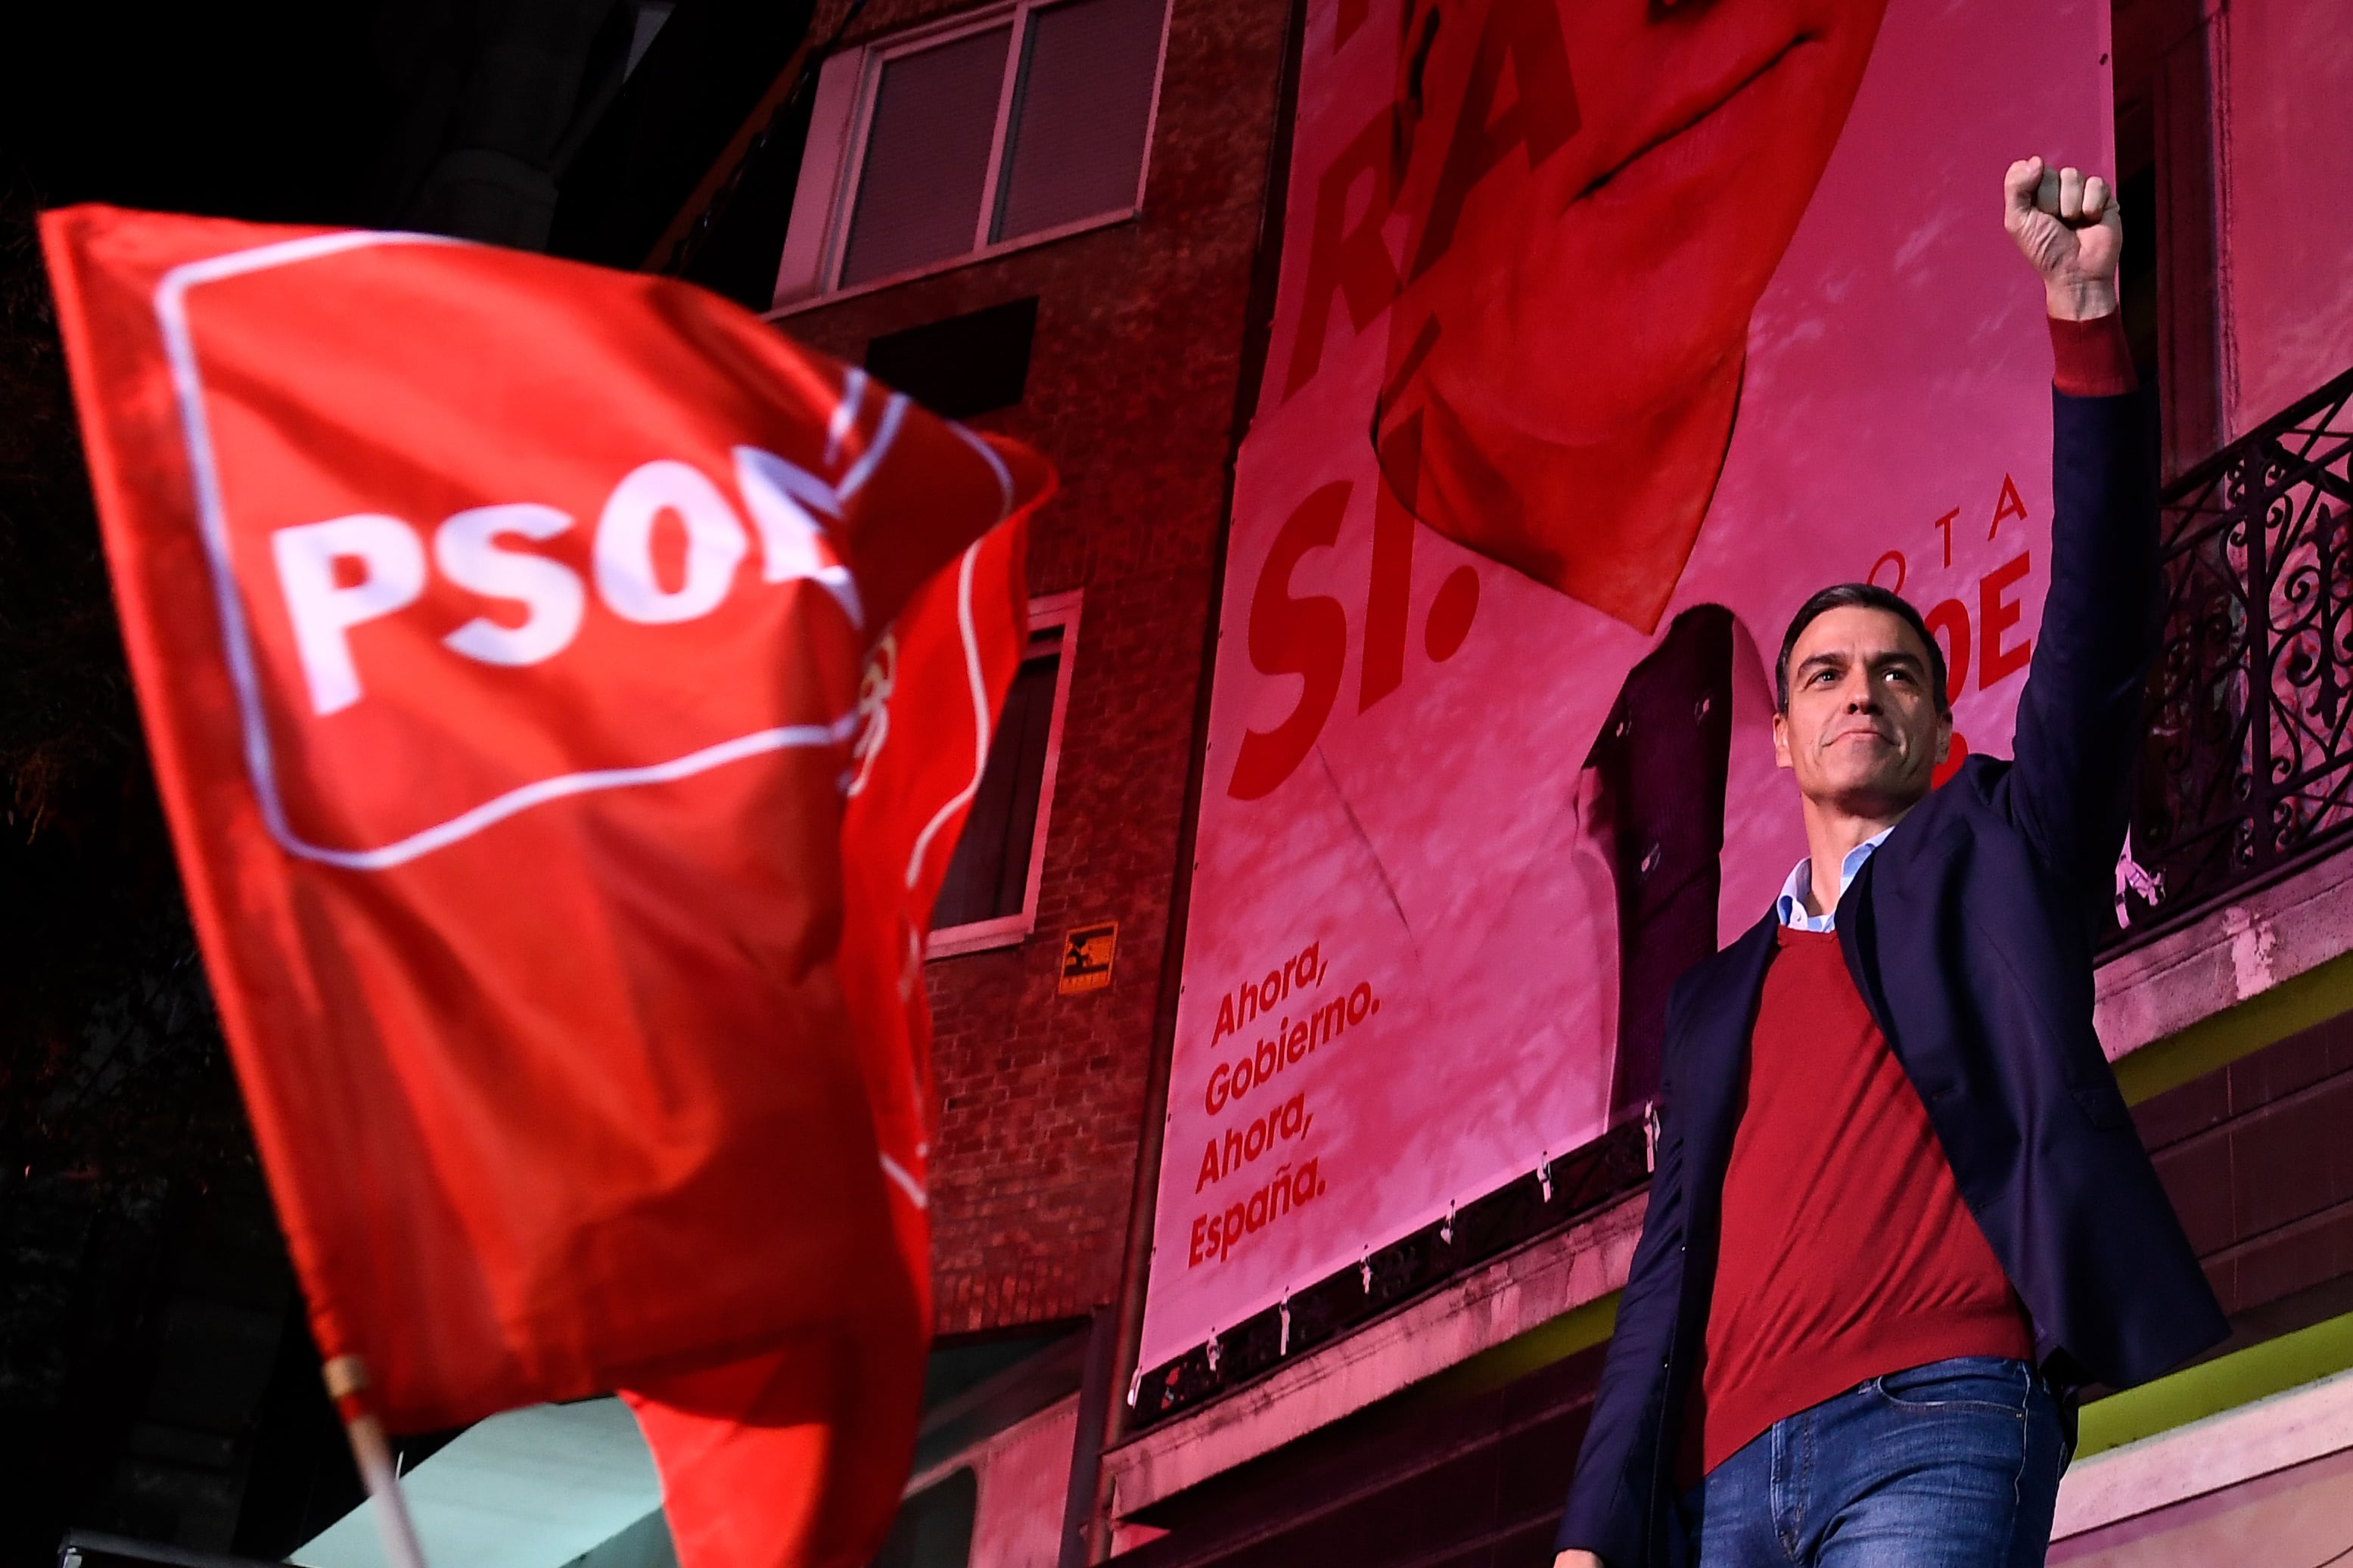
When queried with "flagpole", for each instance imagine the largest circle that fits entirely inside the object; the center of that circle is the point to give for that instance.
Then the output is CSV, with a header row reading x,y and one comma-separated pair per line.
x,y
347,1383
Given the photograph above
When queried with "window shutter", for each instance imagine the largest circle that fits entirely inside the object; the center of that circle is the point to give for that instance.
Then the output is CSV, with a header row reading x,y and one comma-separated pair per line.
x,y
1082,113
927,161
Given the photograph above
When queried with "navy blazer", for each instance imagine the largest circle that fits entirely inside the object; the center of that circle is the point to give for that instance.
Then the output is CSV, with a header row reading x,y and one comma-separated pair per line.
x,y
1969,935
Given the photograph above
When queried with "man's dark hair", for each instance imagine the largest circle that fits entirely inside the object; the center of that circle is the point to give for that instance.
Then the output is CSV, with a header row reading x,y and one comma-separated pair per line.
x,y
1861,596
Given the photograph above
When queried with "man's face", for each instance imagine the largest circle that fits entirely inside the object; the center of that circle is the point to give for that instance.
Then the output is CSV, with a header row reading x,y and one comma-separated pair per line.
x,y
1863,732
1606,238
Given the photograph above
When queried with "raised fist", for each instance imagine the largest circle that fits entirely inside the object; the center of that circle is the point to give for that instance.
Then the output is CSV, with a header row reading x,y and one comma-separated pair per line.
x,y
2068,228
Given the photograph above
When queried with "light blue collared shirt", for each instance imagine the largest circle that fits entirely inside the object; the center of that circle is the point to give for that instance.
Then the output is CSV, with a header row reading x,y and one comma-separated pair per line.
x,y
1791,905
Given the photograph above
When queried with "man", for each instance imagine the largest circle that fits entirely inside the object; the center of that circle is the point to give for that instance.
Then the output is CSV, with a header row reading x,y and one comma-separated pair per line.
x,y
1900,1213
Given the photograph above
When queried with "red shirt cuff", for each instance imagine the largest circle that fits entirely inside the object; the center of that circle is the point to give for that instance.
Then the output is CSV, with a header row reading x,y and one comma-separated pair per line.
x,y
2091,358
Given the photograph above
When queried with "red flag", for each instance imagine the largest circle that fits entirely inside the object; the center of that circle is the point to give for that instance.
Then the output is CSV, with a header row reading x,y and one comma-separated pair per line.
x,y
500,627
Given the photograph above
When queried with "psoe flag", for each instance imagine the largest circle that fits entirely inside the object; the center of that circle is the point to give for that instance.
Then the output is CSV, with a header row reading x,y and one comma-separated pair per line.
x,y
517,642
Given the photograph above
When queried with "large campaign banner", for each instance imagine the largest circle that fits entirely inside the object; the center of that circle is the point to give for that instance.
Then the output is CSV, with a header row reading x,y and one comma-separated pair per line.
x,y
1606,333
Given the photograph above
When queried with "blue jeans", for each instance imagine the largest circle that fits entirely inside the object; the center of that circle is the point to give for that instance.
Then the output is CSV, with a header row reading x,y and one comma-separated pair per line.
x,y
1951,1465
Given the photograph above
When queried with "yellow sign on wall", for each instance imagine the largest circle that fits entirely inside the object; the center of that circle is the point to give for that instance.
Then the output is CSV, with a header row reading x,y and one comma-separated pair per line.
x,y
1087,956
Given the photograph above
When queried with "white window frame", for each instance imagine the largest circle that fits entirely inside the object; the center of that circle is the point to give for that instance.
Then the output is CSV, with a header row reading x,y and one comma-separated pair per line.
x,y
817,237
1010,931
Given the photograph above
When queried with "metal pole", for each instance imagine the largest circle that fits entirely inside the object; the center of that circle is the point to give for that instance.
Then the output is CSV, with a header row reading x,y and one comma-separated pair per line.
x,y
347,1384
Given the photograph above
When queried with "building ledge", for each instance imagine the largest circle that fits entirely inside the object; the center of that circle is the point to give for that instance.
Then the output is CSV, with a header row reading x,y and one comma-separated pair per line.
x,y
2246,973
2209,1455
1539,1288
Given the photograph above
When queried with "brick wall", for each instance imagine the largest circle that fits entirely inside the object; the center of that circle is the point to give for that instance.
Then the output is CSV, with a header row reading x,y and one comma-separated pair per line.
x,y
2259,1164
1131,392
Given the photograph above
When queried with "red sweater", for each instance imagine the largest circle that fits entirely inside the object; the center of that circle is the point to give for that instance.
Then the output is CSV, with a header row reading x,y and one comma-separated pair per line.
x,y
1846,1251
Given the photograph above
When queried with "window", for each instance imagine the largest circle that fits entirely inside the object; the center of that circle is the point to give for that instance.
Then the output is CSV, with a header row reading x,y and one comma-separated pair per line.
x,y
1010,125
989,898
934,1528
964,365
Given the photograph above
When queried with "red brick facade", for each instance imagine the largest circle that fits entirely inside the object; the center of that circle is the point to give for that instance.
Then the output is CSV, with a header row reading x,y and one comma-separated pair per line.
x,y
2256,1161
1131,392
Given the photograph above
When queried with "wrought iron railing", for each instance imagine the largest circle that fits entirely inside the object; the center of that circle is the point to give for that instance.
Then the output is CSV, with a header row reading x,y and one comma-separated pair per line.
x,y
2247,771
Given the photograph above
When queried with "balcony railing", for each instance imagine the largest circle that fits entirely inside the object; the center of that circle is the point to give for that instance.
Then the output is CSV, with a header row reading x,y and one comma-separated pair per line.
x,y
2247,769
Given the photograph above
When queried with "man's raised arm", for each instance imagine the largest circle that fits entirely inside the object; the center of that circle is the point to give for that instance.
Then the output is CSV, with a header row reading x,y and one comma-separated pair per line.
x,y
2079,720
